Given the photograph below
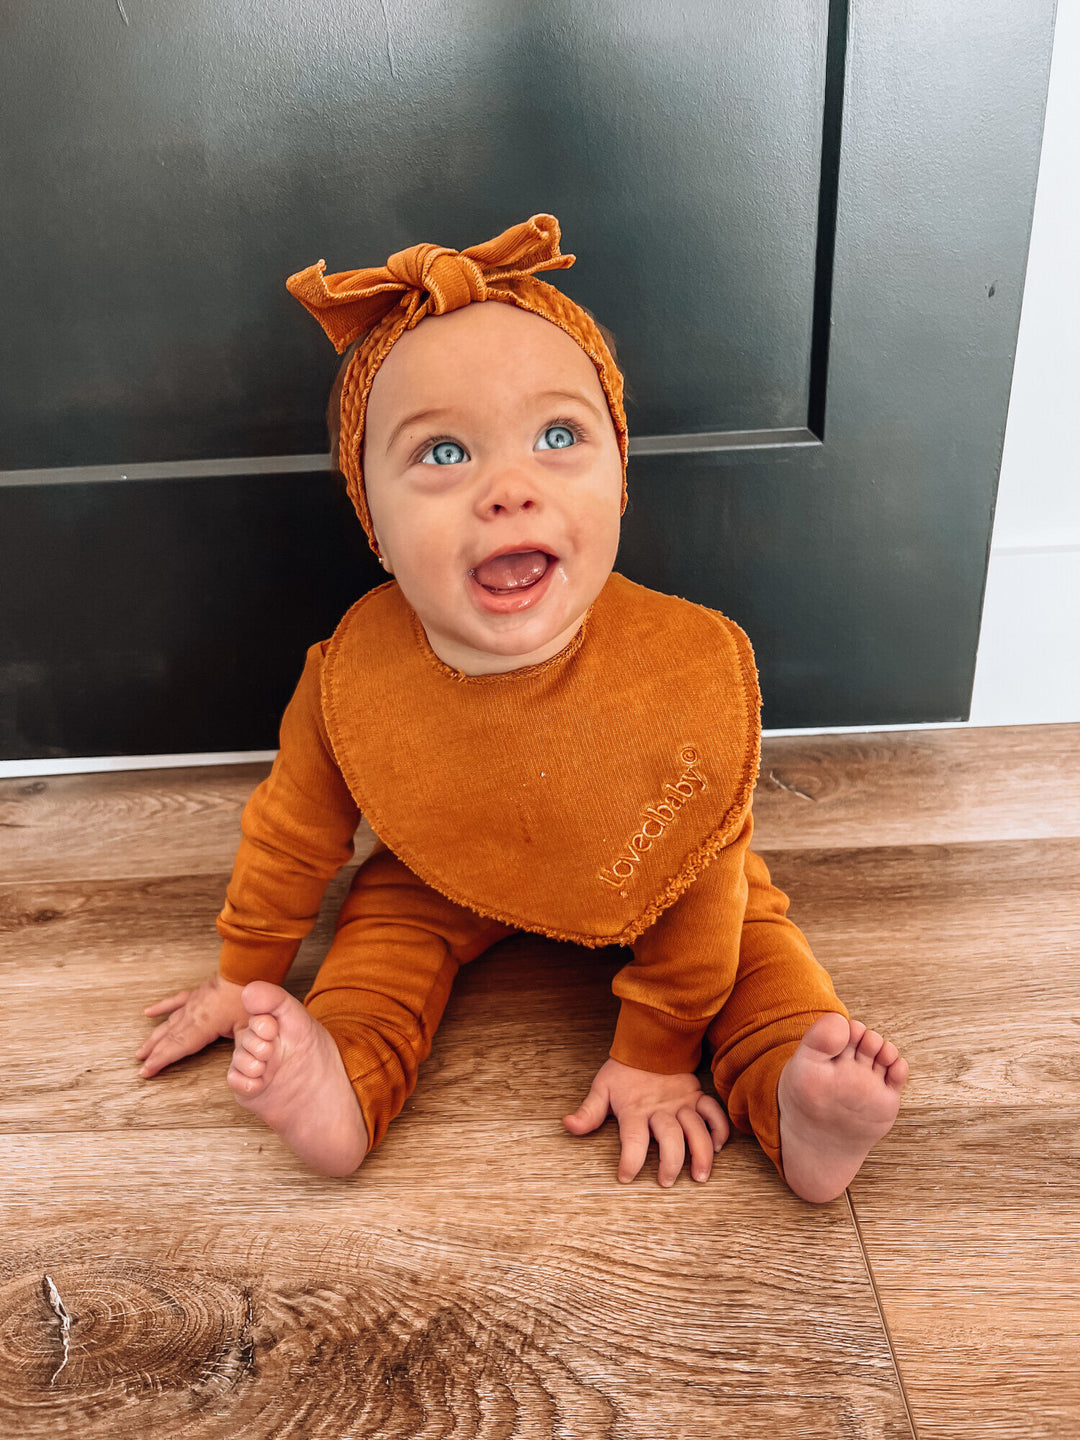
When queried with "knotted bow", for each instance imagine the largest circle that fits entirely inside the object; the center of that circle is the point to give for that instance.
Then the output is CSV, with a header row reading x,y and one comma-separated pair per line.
x,y
433,279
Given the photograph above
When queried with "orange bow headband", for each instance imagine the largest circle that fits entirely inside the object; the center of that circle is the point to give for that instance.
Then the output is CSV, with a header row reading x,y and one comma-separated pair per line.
x,y
378,305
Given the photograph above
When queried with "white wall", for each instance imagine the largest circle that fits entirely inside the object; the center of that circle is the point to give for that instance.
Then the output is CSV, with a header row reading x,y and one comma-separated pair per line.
x,y
1028,668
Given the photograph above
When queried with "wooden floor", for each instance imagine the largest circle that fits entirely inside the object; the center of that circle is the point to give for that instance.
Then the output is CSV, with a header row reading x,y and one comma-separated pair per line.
x,y
484,1274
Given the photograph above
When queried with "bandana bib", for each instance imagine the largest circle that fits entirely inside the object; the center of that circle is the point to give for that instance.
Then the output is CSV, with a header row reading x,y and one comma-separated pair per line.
x,y
577,798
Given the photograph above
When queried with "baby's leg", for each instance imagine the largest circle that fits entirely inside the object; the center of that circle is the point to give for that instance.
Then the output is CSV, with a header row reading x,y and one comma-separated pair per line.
x,y
337,1069
817,1088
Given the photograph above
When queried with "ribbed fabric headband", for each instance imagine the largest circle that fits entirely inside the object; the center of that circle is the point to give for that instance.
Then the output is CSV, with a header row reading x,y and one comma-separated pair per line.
x,y
382,303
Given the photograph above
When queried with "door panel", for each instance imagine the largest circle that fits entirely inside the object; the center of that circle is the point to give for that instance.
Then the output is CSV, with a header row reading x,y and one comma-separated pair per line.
x,y
807,229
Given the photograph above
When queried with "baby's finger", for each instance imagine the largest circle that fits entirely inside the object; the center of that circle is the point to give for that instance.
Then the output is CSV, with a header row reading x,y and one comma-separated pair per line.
x,y
151,1040
590,1114
171,1045
699,1140
165,1007
162,1055
710,1109
669,1136
157,1058
634,1138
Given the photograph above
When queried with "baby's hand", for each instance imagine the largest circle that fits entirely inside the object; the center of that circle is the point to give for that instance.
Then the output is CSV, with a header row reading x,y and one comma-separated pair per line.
x,y
672,1108
196,1017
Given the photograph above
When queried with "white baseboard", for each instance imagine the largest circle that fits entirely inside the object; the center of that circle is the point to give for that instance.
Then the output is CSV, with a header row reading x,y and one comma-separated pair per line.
x,y
86,765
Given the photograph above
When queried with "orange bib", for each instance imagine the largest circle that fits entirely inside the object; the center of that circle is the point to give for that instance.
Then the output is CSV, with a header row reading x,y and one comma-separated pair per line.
x,y
577,798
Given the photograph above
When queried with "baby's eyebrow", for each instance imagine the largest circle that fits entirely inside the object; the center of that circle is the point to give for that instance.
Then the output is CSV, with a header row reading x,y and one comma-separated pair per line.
x,y
572,395
412,420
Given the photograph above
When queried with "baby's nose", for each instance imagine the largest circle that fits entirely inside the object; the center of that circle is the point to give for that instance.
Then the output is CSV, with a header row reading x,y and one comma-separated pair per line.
x,y
509,490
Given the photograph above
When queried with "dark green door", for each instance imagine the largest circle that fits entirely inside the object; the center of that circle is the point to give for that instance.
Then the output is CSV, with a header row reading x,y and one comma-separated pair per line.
x,y
805,222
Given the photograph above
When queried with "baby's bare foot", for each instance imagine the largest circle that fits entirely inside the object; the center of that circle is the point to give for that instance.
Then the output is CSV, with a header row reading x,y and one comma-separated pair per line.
x,y
287,1069
839,1094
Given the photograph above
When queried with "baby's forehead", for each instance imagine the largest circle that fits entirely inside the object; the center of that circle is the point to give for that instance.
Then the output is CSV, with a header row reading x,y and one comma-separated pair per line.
x,y
495,332
491,345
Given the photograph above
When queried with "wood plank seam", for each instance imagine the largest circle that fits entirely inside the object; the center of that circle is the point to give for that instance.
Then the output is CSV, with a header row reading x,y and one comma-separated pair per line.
x,y
881,1313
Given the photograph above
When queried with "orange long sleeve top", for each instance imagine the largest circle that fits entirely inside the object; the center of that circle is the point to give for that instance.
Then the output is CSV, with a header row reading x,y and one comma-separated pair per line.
x,y
603,796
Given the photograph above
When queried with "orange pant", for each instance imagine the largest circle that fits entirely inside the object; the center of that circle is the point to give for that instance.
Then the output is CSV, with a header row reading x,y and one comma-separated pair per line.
x,y
383,1016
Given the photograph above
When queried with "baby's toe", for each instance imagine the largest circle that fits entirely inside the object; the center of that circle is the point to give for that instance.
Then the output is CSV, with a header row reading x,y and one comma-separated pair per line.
x,y
242,1084
247,1063
254,1044
886,1056
829,1036
897,1075
264,1026
858,1030
868,1047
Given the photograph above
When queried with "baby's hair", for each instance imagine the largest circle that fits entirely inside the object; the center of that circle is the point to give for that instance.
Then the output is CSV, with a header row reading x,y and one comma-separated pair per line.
x,y
333,404
609,341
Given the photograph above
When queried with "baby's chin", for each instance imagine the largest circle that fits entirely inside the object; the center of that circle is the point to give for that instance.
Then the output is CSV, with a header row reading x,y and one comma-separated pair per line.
x,y
499,648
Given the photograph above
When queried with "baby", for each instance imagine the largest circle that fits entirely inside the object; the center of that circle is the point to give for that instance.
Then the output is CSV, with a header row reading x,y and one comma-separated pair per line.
x,y
539,745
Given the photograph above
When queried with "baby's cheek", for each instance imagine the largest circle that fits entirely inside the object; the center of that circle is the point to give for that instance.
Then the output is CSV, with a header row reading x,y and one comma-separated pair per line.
x,y
430,560
604,519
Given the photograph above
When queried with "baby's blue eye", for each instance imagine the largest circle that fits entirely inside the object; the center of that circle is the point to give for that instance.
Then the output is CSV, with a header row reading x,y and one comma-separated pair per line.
x,y
556,437
446,452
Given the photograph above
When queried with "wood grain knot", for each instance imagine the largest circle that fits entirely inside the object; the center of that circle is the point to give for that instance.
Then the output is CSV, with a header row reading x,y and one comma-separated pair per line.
x,y
108,1337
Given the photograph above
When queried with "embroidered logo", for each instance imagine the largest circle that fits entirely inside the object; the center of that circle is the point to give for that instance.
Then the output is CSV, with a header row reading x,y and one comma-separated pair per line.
x,y
657,819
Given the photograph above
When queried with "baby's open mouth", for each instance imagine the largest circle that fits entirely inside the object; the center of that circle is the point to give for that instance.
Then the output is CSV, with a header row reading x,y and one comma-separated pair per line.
x,y
505,574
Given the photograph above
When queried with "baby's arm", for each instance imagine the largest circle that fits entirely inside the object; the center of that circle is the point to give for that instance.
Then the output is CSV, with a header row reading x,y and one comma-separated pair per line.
x,y
298,830
683,970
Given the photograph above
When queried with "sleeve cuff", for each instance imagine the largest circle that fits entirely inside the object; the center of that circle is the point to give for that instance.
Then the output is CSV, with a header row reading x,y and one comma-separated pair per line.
x,y
650,1039
257,959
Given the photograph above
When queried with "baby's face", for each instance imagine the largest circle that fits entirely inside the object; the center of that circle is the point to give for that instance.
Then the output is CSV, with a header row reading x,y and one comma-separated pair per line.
x,y
487,437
